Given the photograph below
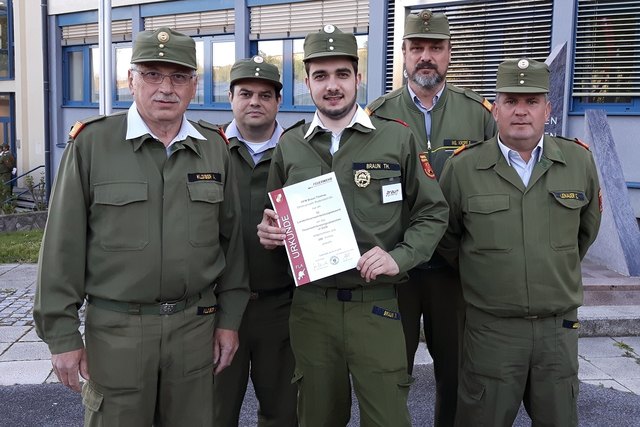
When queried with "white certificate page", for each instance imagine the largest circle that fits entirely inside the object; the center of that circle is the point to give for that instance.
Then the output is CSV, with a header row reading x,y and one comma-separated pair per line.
x,y
319,237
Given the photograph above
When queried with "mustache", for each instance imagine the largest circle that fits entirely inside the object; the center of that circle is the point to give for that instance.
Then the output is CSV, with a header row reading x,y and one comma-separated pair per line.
x,y
426,66
166,99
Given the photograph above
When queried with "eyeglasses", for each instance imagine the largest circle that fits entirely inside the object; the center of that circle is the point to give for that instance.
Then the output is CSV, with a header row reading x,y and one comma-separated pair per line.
x,y
155,78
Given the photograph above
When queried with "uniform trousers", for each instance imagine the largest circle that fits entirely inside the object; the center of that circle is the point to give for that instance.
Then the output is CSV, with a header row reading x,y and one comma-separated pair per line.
x,y
149,369
265,355
511,360
435,295
335,342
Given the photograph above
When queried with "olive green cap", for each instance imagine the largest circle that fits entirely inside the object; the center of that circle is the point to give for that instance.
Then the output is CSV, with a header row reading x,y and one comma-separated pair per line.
x,y
522,76
164,45
330,41
426,25
256,68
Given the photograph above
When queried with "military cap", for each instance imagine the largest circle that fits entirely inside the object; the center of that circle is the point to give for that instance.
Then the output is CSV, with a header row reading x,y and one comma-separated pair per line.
x,y
426,25
256,68
330,41
522,76
164,45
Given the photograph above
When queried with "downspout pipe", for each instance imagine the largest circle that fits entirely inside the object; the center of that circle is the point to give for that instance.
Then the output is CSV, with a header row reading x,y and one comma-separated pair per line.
x,y
48,176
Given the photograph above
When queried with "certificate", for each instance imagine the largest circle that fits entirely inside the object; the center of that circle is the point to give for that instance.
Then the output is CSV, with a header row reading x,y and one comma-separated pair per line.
x,y
319,237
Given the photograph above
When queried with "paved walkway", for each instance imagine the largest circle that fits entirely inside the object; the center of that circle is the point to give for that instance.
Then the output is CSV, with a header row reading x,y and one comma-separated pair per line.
x,y
611,360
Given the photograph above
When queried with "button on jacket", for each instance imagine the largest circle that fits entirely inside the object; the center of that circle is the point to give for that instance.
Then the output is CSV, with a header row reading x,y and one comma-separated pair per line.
x,y
128,224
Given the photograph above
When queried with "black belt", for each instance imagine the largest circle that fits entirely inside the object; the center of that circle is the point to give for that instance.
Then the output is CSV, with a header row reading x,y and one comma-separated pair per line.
x,y
265,293
361,294
169,307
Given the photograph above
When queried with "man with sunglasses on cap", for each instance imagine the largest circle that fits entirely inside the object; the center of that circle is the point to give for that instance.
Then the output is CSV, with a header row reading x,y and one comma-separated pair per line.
x,y
265,351
144,223
525,208
443,117
346,328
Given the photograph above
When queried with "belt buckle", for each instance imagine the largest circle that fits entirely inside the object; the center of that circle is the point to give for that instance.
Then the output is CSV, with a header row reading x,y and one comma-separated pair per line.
x,y
168,307
344,295
254,295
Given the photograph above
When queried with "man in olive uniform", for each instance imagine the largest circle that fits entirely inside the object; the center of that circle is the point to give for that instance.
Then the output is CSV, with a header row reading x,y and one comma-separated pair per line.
x,y
144,224
348,325
525,208
265,350
7,170
443,117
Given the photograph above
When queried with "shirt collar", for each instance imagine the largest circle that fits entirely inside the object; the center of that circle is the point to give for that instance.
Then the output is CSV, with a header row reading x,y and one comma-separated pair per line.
x,y
537,150
417,101
360,117
136,127
232,131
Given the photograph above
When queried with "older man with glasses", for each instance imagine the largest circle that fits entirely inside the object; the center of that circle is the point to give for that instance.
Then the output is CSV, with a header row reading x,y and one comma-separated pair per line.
x,y
144,219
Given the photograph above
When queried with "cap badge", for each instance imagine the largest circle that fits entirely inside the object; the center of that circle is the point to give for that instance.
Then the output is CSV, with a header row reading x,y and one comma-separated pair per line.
x,y
523,64
362,178
258,59
163,37
329,28
425,15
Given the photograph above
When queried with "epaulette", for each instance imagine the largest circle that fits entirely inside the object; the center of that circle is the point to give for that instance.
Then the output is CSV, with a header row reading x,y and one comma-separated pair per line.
x,y
391,119
464,147
293,126
214,128
79,125
375,104
576,141
476,97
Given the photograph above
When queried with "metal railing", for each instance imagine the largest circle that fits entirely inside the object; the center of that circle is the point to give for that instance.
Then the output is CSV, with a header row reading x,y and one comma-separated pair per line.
x,y
16,196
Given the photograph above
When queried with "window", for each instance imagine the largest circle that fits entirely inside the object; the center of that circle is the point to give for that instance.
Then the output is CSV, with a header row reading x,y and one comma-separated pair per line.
x,y
223,57
278,31
123,64
6,40
80,68
484,34
607,56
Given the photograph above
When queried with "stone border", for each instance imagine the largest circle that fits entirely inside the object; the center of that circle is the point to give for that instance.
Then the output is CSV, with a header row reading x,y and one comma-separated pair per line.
x,y
23,221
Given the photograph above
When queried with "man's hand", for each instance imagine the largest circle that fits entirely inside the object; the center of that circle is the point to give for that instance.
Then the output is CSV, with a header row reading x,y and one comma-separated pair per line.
x,y
68,365
376,262
225,345
269,233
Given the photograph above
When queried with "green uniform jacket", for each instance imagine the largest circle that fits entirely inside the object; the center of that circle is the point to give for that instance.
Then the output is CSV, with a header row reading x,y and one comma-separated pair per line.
x,y
520,248
128,224
268,269
460,116
409,230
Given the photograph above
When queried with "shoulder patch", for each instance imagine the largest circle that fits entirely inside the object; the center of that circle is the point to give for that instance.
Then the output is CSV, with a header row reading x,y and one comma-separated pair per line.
x,y
79,125
390,119
486,104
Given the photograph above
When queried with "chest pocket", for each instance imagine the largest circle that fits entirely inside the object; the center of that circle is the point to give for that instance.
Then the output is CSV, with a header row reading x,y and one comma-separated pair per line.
x,y
564,218
120,215
488,221
367,201
204,206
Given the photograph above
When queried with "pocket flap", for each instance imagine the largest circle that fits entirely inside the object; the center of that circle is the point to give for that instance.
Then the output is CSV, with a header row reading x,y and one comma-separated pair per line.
x,y
91,398
570,199
206,191
384,174
119,193
487,204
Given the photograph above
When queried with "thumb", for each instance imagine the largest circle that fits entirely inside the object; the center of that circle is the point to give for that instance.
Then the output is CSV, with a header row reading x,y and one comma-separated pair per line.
x,y
84,367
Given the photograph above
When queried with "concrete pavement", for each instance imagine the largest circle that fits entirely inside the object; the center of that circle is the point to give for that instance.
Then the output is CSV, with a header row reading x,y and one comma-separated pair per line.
x,y
609,347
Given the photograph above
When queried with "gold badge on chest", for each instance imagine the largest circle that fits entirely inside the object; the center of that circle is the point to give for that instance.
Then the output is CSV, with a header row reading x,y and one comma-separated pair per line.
x,y
362,178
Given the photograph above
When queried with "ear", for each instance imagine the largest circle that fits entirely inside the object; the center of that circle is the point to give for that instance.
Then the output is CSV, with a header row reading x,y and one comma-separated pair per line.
x,y
306,82
130,79
230,96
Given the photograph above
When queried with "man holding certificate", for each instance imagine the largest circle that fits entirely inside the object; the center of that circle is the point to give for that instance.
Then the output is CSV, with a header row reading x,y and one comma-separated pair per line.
x,y
347,325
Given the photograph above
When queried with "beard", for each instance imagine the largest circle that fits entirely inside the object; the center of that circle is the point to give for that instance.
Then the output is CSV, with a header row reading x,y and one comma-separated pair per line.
x,y
427,82
337,114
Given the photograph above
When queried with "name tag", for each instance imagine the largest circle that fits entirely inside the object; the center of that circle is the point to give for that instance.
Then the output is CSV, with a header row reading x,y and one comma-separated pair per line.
x,y
392,192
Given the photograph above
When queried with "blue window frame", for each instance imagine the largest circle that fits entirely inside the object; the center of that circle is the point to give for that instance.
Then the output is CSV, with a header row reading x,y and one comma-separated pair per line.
x,y
6,40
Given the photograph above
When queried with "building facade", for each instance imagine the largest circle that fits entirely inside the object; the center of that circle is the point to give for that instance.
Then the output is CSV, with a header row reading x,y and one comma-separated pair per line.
x,y
601,37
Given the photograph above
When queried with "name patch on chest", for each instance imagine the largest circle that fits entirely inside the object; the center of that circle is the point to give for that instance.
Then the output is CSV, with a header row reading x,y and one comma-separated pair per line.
x,y
569,195
456,142
204,176
368,166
